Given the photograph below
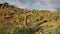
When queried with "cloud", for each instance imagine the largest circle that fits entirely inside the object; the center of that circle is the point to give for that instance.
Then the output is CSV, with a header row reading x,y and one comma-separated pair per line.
x,y
34,4
41,4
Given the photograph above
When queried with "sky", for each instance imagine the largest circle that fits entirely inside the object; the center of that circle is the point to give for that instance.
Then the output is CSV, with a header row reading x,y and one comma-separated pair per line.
x,y
34,4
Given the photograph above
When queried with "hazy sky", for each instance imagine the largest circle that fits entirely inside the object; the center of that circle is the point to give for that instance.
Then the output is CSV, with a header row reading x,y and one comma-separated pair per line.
x,y
35,4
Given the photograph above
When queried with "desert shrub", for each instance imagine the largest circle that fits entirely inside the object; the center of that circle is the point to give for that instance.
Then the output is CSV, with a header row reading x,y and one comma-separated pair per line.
x,y
24,31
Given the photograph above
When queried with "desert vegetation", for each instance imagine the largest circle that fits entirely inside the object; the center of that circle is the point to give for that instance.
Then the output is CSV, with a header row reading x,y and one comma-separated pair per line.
x,y
15,20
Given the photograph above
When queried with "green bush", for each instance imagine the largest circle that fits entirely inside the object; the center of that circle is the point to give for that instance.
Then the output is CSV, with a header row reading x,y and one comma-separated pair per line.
x,y
24,31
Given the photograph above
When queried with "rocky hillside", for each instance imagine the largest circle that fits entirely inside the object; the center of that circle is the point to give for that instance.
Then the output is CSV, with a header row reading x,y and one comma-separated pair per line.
x,y
13,19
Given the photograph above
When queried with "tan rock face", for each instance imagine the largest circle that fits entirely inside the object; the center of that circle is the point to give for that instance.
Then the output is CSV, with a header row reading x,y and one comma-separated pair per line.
x,y
49,24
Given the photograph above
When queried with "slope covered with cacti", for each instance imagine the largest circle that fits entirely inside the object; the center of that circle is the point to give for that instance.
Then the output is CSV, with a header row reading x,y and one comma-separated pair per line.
x,y
15,20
